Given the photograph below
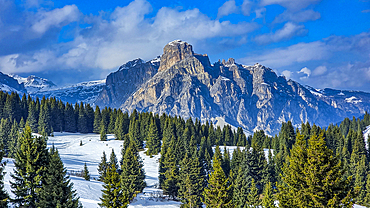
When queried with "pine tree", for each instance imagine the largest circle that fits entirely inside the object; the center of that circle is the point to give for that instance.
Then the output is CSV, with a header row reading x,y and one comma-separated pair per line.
x,y
103,133
69,119
86,173
190,182
57,189
113,159
218,191
30,165
45,119
313,177
4,197
13,143
253,198
82,120
153,139
114,194
102,168
97,120
133,174
367,193
119,126
268,197
360,179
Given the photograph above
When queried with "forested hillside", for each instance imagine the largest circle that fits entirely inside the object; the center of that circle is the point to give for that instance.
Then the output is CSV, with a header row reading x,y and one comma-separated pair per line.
x,y
308,167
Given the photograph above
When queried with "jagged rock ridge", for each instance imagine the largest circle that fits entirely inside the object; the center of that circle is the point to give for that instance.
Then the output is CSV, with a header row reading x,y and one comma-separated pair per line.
x,y
254,97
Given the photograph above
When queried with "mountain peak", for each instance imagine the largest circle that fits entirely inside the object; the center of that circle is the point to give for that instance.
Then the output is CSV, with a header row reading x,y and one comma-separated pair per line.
x,y
174,52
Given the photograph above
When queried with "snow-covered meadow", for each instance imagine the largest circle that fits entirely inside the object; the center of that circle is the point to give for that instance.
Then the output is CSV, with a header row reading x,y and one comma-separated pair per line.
x,y
75,156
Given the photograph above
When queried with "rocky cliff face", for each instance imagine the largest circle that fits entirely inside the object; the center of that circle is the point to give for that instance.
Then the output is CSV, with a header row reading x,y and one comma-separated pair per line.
x,y
122,83
253,97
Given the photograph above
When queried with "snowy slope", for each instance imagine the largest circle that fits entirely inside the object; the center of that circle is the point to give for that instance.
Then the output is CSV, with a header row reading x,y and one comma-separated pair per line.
x,y
74,156
86,92
366,135
34,83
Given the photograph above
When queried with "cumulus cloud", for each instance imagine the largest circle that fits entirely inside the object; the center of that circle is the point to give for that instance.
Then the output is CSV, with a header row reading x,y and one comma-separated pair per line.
x,y
306,71
287,74
55,18
260,13
246,7
288,31
229,7
290,4
299,16
120,36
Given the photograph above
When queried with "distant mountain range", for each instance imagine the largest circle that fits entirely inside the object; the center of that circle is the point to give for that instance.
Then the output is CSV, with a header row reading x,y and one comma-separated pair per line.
x,y
183,83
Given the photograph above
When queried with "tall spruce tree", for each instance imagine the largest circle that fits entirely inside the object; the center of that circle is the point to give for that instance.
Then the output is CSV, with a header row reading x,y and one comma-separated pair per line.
x,y
57,189
253,198
133,174
97,120
268,200
30,165
102,168
153,142
45,119
218,191
313,177
114,194
191,182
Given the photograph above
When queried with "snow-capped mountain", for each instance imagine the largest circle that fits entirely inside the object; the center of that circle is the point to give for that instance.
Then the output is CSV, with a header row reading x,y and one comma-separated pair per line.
x,y
86,92
9,84
34,83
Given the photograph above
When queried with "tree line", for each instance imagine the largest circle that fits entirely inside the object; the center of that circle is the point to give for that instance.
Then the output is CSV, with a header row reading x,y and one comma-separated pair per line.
x,y
194,170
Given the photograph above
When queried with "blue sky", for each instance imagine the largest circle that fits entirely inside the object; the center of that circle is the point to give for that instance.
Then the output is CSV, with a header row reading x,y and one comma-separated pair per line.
x,y
322,43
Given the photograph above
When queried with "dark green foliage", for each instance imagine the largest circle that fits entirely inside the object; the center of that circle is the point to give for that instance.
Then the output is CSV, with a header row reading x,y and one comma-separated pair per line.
x,y
191,182
97,120
30,160
113,159
114,195
268,196
45,118
218,192
70,119
313,177
13,140
132,175
57,189
102,168
86,173
103,133
82,120
153,141
253,198
4,197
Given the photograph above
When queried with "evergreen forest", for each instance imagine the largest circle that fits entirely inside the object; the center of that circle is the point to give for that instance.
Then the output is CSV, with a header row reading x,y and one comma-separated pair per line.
x,y
310,166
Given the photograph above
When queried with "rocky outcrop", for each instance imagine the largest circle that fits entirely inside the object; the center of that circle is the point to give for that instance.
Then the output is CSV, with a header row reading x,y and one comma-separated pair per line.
x,y
252,97
122,83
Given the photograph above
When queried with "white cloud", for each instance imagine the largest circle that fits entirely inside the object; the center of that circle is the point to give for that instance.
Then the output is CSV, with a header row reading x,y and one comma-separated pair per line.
x,y
125,34
305,71
300,16
288,31
227,8
287,74
55,18
298,53
290,4
319,70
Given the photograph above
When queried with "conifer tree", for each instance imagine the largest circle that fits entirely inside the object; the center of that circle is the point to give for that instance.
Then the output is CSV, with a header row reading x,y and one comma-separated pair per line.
x,y
313,177
171,174
45,119
30,165
253,198
360,179
69,119
114,194
113,159
97,120
119,126
86,173
190,182
268,196
218,191
82,120
153,140
4,197
57,189
13,143
103,133
367,193
133,174
102,168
